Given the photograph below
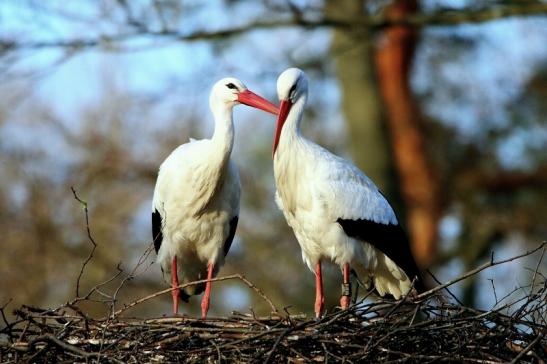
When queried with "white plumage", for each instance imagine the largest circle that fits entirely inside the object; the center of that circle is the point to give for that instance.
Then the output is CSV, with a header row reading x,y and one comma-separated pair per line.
x,y
335,210
195,206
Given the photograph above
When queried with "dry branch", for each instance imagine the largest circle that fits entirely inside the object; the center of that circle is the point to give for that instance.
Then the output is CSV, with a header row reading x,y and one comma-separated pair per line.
x,y
90,238
225,278
482,267
296,19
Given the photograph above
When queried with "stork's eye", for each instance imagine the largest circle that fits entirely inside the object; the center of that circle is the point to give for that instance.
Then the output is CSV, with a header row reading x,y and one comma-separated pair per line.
x,y
292,91
231,85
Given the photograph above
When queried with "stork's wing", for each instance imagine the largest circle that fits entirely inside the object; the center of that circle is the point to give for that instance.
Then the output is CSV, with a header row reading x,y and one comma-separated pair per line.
x,y
157,235
231,235
390,239
350,194
185,177
364,213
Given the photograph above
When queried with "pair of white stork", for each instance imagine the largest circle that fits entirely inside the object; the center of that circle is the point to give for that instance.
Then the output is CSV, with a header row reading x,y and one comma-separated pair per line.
x,y
334,209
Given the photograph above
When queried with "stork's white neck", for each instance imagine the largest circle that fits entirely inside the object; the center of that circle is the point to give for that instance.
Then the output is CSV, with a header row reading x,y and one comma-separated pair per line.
x,y
291,129
223,136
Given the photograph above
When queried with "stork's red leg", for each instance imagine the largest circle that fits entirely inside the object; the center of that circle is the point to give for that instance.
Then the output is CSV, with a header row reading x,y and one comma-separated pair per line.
x,y
175,283
319,297
207,294
346,288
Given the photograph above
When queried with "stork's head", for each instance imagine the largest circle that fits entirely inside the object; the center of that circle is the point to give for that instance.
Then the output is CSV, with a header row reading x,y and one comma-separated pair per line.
x,y
292,86
230,91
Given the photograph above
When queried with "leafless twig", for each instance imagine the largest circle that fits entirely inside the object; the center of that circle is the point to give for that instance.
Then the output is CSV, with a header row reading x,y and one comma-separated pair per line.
x,y
218,279
480,268
89,236
377,21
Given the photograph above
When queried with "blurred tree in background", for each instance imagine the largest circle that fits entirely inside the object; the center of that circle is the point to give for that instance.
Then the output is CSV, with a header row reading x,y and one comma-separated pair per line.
x,y
442,104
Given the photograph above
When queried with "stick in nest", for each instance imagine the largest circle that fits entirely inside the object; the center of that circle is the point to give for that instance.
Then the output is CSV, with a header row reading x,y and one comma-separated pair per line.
x,y
225,278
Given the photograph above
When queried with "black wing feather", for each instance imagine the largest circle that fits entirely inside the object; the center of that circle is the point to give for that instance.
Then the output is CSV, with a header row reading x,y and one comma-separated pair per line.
x,y
390,239
157,235
231,234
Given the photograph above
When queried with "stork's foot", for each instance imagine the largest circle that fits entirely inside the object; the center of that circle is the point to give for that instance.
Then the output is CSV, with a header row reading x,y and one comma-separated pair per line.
x,y
319,306
179,315
344,302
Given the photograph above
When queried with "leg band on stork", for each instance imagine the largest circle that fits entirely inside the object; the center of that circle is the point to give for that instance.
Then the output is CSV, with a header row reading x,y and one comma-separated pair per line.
x,y
346,288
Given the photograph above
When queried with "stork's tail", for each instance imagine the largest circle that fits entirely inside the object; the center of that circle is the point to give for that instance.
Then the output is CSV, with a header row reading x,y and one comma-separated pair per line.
x,y
185,297
190,291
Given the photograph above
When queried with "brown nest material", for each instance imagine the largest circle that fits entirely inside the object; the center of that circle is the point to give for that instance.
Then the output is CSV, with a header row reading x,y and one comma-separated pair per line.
x,y
423,329
404,331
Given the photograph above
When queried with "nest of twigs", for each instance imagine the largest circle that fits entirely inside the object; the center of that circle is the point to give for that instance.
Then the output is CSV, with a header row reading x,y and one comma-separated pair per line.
x,y
421,331
425,328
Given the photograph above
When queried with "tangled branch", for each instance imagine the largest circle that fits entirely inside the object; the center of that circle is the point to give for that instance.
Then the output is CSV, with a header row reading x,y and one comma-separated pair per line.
x,y
297,18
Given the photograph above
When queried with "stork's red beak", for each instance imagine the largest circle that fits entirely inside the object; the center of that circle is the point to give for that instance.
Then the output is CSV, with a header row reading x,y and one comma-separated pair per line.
x,y
284,108
249,98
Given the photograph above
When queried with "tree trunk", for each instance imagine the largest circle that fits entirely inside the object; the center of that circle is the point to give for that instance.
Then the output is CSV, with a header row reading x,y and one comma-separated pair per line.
x,y
352,50
418,182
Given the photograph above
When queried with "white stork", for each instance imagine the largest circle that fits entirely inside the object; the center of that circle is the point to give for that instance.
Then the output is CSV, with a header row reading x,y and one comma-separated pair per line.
x,y
196,199
335,210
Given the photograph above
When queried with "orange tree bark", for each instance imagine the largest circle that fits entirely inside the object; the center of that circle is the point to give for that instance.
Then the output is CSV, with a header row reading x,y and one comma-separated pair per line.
x,y
418,182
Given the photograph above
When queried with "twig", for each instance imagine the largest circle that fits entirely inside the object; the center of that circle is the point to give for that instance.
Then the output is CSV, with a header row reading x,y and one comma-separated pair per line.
x,y
89,236
527,349
130,276
480,268
52,339
446,288
167,290
258,291
96,288
367,22
494,290
537,270
3,313
276,344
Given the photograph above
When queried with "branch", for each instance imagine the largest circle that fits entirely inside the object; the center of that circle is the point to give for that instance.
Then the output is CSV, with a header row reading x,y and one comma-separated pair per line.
x,y
517,358
480,268
503,182
370,22
144,256
84,204
225,278
63,345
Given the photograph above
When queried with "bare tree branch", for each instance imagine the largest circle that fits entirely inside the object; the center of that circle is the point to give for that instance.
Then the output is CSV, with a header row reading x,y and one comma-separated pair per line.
x,y
370,22
229,277
480,268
